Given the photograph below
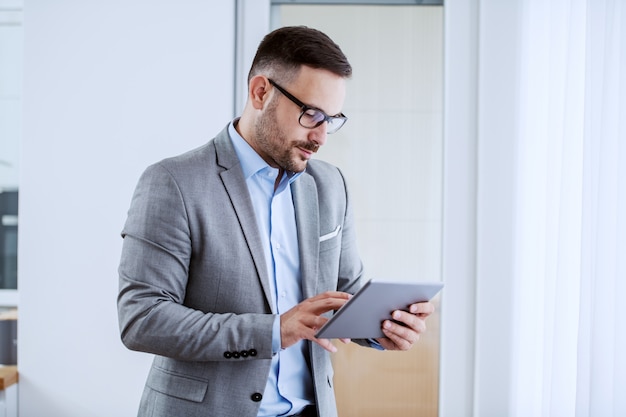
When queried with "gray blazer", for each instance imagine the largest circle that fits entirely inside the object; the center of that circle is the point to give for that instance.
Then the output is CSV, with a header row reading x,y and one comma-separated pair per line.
x,y
194,289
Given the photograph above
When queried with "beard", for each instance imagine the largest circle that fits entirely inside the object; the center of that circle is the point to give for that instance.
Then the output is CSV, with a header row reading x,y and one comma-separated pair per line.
x,y
273,142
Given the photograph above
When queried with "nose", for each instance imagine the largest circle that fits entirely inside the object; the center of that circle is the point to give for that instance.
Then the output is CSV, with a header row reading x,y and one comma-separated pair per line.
x,y
319,134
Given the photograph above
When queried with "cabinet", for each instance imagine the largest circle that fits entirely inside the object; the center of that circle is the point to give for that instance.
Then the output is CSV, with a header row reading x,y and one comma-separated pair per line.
x,y
8,391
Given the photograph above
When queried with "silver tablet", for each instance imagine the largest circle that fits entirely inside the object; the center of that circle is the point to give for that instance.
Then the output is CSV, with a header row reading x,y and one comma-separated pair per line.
x,y
362,316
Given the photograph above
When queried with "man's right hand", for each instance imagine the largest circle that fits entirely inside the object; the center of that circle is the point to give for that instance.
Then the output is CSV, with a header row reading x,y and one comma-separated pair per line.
x,y
305,319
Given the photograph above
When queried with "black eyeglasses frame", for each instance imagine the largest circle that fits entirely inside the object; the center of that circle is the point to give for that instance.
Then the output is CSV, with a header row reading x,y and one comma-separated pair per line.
x,y
334,122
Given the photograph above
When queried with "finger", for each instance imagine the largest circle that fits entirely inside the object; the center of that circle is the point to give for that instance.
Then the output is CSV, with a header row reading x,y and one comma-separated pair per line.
x,y
332,294
409,320
405,325
322,305
393,342
326,344
422,309
399,331
313,322
402,337
386,343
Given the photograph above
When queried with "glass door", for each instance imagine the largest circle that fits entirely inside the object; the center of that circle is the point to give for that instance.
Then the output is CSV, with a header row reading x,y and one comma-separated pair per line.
x,y
391,153
11,66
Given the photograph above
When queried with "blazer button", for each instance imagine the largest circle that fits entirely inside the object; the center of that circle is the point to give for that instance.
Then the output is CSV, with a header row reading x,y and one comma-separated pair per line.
x,y
236,355
256,397
228,355
252,352
244,353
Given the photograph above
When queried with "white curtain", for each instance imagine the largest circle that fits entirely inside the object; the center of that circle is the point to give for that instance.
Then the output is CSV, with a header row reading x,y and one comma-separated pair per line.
x,y
569,303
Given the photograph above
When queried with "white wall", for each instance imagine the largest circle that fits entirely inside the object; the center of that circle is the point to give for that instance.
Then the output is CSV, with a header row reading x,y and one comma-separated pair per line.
x,y
11,38
111,86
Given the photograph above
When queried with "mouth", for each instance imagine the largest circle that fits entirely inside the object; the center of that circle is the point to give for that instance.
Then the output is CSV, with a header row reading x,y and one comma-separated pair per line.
x,y
308,150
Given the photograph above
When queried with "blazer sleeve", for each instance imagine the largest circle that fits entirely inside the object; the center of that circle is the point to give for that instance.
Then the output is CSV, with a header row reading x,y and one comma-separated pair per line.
x,y
153,279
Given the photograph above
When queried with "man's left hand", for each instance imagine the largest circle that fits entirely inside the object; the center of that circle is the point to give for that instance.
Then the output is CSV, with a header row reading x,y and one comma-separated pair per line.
x,y
413,324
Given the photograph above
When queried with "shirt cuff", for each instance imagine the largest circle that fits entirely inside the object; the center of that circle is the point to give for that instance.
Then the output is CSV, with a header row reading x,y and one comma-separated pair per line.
x,y
374,344
276,342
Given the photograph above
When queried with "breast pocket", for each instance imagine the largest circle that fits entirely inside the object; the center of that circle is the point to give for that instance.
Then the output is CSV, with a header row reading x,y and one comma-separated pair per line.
x,y
331,239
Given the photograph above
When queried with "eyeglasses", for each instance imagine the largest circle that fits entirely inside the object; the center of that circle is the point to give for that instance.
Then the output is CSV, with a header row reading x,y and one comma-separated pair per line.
x,y
312,117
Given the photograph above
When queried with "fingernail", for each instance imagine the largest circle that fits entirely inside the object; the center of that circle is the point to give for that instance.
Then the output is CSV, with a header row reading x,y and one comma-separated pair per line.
x,y
396,315
387,325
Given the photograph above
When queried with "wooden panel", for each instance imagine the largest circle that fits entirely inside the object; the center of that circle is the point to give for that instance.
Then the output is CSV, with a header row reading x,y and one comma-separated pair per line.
x,y
8,376
370,383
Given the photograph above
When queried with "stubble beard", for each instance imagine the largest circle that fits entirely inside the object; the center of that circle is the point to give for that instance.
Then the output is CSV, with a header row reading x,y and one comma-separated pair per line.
x,y
274,143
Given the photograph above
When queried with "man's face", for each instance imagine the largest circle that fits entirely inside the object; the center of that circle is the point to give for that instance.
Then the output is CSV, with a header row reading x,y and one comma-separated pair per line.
x,y
280,139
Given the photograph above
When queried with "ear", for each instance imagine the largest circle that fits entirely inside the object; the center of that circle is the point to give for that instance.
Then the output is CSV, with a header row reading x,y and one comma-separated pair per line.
x,y
258,91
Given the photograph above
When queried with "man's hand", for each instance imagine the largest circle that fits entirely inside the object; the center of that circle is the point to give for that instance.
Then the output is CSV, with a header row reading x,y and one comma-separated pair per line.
x,y
304,319
403,336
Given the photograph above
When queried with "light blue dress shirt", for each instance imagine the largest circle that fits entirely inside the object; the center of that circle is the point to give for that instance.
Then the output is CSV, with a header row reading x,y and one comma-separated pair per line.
x,y
289,386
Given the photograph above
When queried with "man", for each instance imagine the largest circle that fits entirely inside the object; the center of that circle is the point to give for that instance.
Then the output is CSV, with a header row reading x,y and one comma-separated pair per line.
x,y
234,252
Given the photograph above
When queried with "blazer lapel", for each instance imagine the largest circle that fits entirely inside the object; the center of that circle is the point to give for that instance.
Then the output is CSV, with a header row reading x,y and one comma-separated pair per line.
x,y
235,184
304,194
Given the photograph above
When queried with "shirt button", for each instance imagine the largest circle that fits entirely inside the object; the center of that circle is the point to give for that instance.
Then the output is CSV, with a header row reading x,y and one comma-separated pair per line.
x,y
283,294
256,397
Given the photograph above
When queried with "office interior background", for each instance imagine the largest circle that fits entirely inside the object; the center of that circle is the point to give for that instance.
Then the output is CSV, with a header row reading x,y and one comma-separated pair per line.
x,y
486,148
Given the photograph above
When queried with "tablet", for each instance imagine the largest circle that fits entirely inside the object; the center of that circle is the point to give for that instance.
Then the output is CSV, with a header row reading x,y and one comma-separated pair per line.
x,y
362,316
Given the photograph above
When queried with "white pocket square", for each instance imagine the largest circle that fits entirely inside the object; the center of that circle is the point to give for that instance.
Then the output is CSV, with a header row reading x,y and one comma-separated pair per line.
x,y
331,234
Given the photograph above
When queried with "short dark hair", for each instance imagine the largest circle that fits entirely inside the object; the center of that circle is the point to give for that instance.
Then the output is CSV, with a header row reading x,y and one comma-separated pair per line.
x,y
283,51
